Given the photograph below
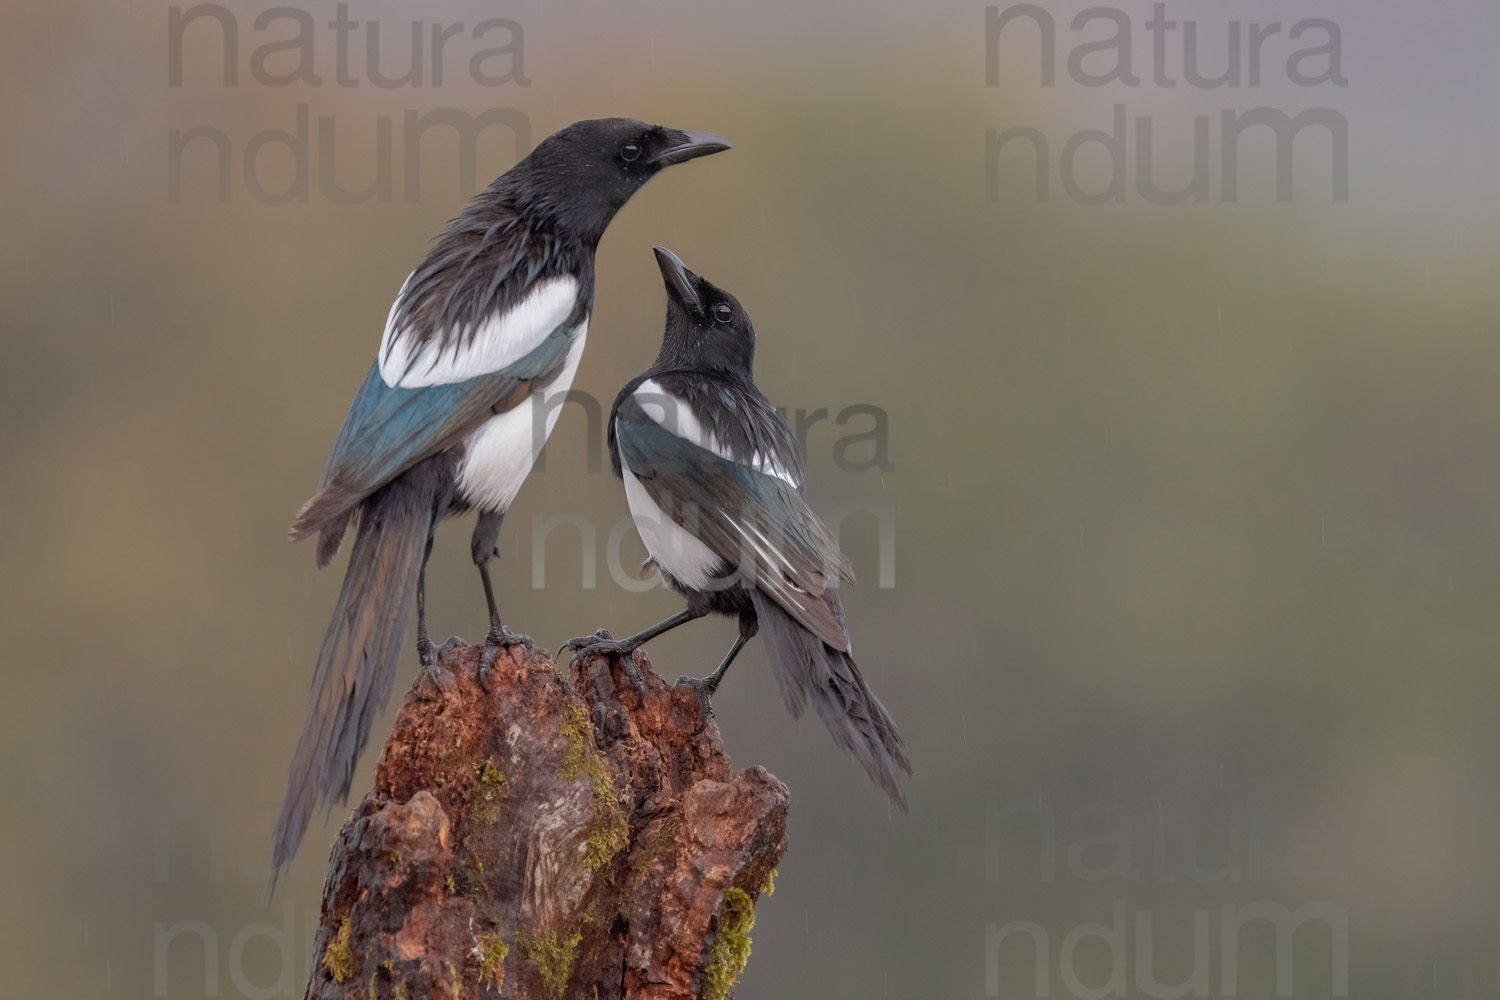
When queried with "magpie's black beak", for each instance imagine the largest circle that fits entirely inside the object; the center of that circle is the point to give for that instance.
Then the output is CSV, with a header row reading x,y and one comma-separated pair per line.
x,y
678,278
690,145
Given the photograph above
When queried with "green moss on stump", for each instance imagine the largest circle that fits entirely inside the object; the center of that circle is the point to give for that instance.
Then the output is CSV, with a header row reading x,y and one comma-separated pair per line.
x,y
338,959
581,758
731,947
491,952
489,774
610,833
607,837
485,808
554,955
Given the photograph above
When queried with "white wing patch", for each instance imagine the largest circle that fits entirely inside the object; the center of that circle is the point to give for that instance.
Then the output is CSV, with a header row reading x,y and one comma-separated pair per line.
x,y
501,340
678,417
686,559
499,454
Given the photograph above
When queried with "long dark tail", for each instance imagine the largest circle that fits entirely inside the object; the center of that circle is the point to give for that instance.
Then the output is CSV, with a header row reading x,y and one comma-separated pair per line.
x,y
807,667
357,664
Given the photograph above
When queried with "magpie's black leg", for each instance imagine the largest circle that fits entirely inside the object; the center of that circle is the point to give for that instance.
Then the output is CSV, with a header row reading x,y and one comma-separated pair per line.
x,y
706,686
425,651
482,547
624,649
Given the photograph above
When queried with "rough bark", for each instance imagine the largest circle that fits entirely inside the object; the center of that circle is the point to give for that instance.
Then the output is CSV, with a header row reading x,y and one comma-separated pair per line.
x,y
549,838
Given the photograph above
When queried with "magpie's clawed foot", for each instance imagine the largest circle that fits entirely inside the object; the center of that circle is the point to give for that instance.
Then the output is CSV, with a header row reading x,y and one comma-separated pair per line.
x,y
494,641
602,643
704,687
427,655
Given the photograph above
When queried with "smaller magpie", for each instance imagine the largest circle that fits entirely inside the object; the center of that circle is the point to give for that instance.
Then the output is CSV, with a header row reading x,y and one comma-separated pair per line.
x,y
478,353
714,479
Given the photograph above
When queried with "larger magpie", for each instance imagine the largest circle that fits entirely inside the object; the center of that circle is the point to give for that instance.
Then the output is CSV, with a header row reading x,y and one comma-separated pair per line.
x,y
479,350
714,479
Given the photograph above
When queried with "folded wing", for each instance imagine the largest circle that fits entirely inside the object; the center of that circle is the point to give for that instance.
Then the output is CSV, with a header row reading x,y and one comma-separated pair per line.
x,y
756,521
389,429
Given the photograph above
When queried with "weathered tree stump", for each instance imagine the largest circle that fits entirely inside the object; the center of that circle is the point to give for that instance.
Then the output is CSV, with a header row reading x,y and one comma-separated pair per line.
x,y
548,839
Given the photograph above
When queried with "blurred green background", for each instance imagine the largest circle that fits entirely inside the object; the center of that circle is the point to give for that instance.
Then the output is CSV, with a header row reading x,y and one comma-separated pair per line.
x,y
1195,506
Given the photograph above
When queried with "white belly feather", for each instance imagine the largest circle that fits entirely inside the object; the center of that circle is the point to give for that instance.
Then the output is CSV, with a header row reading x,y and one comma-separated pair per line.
x,y
678,553
498,455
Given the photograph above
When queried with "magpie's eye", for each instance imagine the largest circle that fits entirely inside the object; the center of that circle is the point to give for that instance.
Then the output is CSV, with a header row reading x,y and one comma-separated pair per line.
x,y
630,152
723,313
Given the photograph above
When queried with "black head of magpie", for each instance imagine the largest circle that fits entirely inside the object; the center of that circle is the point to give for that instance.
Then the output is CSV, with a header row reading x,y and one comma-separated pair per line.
x,y
586,173
706,327
479,351
714,479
